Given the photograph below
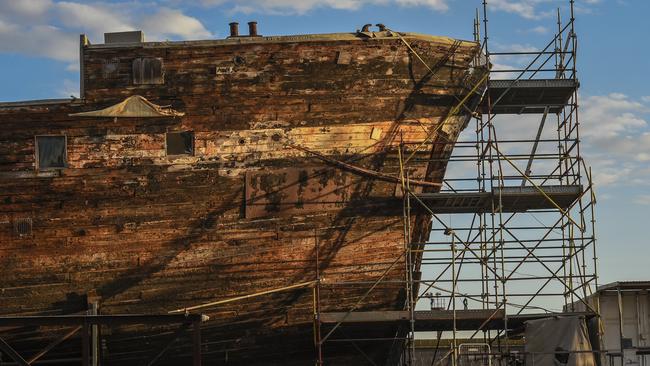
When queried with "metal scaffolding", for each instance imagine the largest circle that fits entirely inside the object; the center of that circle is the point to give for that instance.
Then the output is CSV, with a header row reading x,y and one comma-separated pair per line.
x,y
515,239
529,246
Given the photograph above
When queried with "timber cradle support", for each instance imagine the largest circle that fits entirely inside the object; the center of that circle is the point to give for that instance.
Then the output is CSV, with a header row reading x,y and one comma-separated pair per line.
x,y
82,324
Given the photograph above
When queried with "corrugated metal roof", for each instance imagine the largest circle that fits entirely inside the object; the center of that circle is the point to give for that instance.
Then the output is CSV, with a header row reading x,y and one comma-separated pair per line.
x,y
133,106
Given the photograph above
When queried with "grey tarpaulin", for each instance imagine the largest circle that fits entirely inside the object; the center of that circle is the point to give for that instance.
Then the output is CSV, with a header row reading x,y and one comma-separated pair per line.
x,y
558,341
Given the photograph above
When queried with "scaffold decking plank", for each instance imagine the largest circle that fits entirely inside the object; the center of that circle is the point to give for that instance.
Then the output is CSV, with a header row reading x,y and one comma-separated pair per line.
x,y
529,96
441,320
424,319
509,199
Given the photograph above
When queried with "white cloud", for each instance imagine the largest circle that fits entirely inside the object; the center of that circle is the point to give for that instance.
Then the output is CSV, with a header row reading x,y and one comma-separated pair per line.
x,y
523,8
616,138
536,9
613,115
26,9
643,157
40,40
499,68
539,30
439,5
6,27
516,47
48,28
69,89
643,199
93,19
51,29
170,23
291,7
284,7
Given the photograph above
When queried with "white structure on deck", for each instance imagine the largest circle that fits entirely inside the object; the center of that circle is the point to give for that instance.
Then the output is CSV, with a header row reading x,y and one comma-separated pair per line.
x,y
625,322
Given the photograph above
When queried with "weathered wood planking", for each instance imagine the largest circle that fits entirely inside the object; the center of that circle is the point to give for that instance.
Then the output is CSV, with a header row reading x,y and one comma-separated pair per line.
x,y
147,233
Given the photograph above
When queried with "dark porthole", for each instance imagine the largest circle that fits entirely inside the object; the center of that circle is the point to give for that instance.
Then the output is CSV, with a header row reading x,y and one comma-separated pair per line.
x,y
239,60
180,143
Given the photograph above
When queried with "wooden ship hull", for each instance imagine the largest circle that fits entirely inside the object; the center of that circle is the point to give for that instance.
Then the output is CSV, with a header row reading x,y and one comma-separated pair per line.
x,y
293,177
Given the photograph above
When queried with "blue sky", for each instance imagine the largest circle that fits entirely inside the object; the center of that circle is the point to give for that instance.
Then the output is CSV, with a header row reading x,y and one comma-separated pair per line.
x,y
39,47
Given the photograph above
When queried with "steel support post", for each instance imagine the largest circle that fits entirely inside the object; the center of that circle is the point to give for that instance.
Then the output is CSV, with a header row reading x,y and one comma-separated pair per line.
x,y
85,344
619,303
196,344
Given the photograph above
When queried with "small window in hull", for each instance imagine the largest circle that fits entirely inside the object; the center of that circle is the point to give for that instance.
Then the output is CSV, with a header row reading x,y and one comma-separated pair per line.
x,y
180,143
50,152
111,68
23,227
148,70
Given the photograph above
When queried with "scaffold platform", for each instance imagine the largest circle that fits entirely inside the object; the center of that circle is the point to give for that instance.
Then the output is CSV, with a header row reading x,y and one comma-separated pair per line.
x,y
443,320
529,96
510,199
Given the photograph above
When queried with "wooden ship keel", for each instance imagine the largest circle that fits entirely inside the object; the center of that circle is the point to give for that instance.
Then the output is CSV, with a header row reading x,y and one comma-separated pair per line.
x,y
295,148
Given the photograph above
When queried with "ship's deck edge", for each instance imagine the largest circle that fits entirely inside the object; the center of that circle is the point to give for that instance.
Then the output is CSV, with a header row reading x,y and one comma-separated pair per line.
x,y
297,38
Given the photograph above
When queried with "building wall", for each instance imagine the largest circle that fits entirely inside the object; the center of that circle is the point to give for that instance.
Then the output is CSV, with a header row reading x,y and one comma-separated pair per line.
x,y
636,318
636,325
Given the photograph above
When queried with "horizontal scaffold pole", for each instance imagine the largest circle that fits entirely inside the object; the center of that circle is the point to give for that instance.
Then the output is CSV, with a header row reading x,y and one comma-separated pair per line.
x,y
238,298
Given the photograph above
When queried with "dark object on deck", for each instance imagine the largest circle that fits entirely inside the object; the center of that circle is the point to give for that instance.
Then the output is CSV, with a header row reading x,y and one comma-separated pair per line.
x,y
234,29
252,29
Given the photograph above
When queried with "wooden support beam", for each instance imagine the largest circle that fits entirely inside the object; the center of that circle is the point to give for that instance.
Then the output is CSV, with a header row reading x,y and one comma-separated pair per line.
x,y
61,320
196,344
51,346
85,345
6,348
168,345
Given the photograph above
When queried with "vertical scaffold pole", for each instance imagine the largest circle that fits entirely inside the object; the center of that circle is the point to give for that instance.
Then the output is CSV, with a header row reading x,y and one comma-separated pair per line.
x,y
316,298
196,344
408,252
85,344
454,354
